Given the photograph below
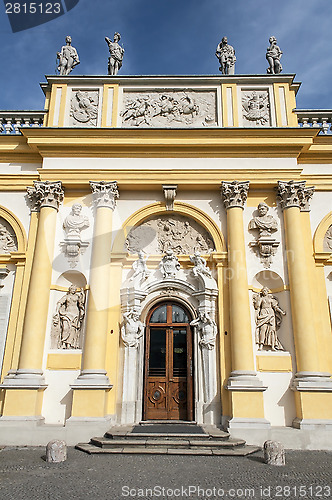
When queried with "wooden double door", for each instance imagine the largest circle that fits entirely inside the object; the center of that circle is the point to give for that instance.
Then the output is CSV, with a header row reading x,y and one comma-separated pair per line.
x,y
168,380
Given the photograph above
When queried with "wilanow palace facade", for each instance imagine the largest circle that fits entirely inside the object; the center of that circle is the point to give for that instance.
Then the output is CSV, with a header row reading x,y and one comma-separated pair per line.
x,y
166,254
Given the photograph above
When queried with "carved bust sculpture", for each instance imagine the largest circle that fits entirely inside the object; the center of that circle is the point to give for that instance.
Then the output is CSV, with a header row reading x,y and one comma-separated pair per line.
x,y
226,56
132,328
207,329
116,54
273,55
69,317
266,224
68,58
169,265
268,320
75,222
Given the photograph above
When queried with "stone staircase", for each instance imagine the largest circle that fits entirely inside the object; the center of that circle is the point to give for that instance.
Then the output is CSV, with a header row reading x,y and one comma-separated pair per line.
x,y
167,438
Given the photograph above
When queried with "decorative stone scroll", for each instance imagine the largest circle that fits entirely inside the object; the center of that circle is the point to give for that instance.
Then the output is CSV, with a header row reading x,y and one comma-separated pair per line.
x,y
84,108
67,321
169,265
256,109
73,224
176,232
327,244
234,194
169,108
45,194
265,224
8,240
105,193
132,328
294,194
268,320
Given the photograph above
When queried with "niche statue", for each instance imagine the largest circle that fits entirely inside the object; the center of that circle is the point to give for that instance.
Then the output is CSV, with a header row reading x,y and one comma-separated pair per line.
x,y
268,319
68,318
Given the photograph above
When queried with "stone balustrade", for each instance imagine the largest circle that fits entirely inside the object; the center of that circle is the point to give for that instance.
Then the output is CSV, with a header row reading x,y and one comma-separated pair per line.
x,y
317,118
12,121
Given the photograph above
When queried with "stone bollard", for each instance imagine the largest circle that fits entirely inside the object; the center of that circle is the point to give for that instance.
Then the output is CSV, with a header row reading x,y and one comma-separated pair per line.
x,y
274,453
56,451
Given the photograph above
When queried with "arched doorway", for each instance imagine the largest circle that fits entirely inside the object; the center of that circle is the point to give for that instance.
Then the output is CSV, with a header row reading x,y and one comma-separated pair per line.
x,y
168,374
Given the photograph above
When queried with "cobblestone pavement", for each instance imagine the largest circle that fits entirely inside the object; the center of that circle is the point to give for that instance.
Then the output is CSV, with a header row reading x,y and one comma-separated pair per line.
x,y
24,475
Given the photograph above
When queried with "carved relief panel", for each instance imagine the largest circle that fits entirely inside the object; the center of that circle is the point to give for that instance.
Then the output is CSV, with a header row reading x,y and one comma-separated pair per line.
x,y
177,233
169,108
84,105
8,241
256,108
327,245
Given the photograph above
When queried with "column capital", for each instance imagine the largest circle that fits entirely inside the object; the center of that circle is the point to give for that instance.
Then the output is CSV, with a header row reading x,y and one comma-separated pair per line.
x,y
234,194
294,194
105,193
45,194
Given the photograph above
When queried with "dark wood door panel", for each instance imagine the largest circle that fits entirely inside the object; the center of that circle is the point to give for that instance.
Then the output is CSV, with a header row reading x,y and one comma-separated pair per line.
x,y
168,364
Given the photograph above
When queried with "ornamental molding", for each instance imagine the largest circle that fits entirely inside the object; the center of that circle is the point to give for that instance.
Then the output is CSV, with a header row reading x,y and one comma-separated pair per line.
x,y
294,194
105,193
45,194
234,194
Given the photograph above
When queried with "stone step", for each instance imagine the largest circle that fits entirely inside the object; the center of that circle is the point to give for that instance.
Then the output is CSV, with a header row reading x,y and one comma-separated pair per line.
x,y
240,451
104,442
147,435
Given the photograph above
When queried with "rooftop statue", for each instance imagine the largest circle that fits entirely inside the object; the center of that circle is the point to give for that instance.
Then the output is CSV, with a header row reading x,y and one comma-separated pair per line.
x,y
68,58
273,55
116,54
226,55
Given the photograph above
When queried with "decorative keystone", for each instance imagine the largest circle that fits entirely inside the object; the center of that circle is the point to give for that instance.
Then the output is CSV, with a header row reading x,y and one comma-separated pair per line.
x,y
105,193
169,193
234,194
45,194
294,194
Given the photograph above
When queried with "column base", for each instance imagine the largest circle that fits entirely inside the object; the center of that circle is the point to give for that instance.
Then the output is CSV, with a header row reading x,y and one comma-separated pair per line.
x,y
312,424
89,403
92,379
313,408
24,379
312,382
244,380
247,423
23,403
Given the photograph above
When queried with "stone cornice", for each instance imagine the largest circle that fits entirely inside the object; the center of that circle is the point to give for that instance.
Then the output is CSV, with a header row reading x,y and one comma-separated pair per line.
x,y
204,142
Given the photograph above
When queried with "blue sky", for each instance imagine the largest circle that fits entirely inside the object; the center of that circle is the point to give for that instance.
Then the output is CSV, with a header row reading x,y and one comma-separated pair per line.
x,y
173,37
